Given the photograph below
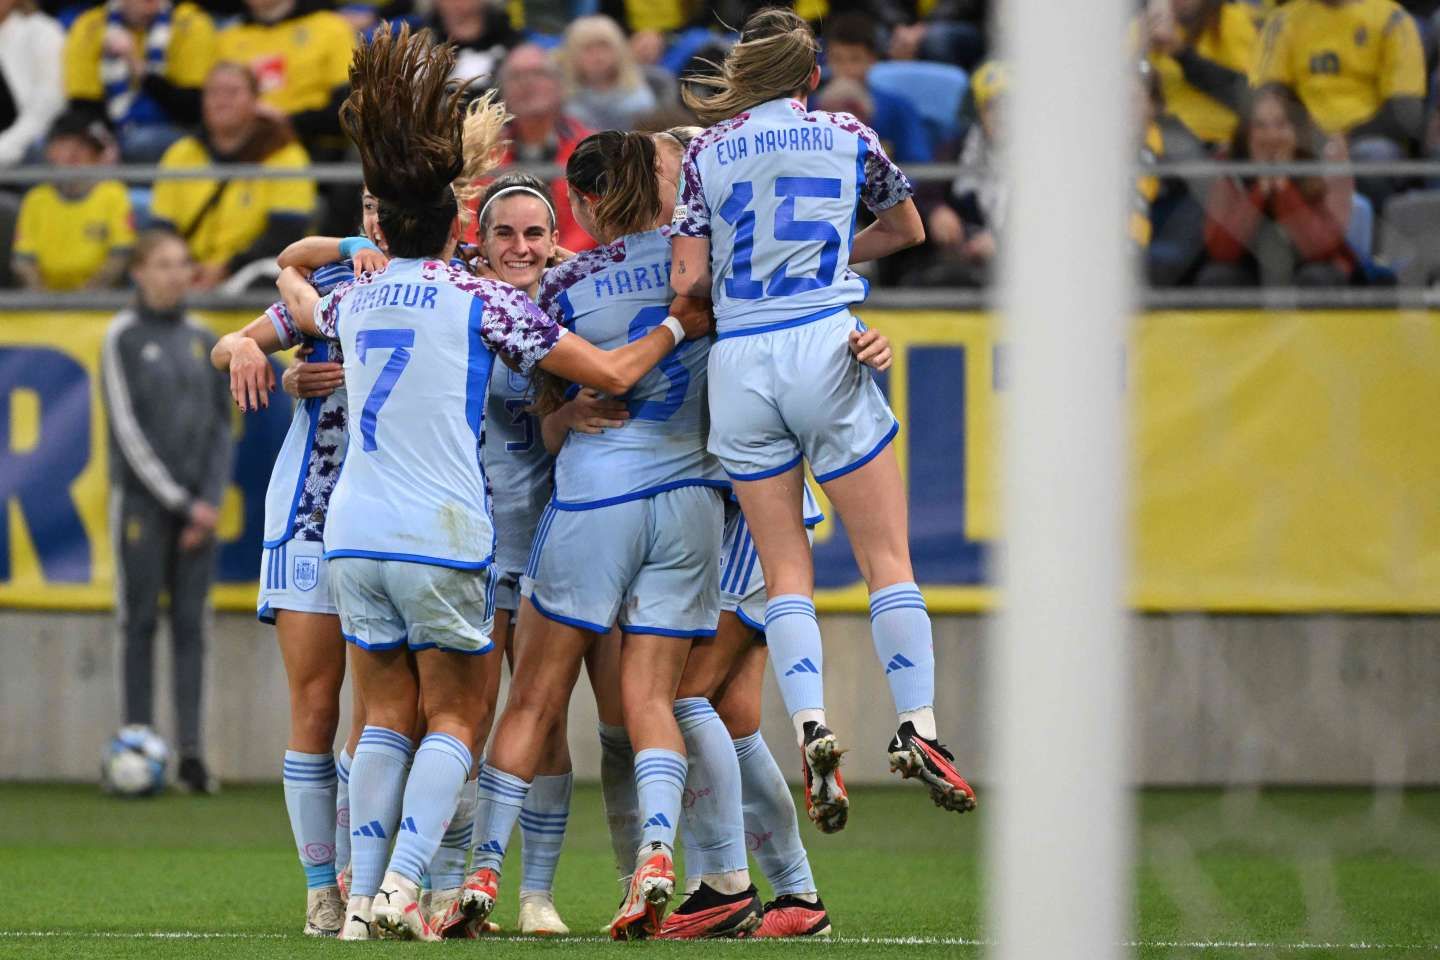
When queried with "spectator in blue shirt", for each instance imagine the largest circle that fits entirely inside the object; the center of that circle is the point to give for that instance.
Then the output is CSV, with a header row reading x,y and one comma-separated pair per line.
x,y
851,48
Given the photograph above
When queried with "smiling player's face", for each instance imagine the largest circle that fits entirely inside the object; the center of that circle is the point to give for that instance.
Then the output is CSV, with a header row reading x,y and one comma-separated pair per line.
x,y
519,240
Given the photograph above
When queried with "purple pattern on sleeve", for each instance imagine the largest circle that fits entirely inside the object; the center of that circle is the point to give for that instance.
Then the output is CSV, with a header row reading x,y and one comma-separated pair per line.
x,y
563,276
284,324
327,309
511,325
692,212
885,184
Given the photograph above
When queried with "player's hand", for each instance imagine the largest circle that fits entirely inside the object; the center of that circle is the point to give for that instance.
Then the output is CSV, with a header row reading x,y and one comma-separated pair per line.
x,y
251,376
368,261
305,380
593,412
192,537
872,348
203,516
694,315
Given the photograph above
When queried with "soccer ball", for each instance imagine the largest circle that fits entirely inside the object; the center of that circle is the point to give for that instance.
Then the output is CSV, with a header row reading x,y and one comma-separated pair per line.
x,y
134,762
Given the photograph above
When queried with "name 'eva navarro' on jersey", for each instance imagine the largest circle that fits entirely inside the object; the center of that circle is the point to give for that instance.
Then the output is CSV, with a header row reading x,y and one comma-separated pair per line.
x,y
769,141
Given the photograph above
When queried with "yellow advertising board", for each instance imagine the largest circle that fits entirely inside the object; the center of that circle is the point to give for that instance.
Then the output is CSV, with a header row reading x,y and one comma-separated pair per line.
x,y
1280,462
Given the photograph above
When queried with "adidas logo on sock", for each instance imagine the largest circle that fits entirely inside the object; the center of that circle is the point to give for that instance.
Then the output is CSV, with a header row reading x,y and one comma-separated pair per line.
x,y
492,846
897,662
408,824
371,829
658,820
802,665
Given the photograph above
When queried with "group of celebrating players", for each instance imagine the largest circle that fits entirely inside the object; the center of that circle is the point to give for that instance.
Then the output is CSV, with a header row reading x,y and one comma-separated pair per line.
x,y
618,467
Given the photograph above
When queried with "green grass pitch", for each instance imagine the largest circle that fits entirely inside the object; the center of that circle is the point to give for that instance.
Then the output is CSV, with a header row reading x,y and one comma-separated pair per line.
x,y
1344,874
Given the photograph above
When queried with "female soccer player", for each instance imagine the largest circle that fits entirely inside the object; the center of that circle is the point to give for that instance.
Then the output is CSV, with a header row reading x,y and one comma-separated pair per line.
x,y
640,505
517,240
409,536
295,591
782,184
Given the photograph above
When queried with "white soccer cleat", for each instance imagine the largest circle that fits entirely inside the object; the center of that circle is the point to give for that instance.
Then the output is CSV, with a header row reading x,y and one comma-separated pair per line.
x,y
359,920
539,917
397,910
324,912
437,905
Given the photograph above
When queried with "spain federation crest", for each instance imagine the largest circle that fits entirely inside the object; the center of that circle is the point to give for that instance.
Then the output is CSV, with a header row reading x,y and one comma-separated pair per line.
x,y
306,573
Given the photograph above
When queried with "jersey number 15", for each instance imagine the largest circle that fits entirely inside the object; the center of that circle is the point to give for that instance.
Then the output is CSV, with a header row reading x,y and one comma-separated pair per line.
x,y
740,285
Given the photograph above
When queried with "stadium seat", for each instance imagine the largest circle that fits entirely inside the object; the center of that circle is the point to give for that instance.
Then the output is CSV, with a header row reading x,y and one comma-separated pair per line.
x,y
1410,237
1361,233
935,89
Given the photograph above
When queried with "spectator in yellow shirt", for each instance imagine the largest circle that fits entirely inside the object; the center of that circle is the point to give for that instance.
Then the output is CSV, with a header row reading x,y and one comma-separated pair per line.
x,y
301,58
1202,51
1358,67
76,234
140,65
229,223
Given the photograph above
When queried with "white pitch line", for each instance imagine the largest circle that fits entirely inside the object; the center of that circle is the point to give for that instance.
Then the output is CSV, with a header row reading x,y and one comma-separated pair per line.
x,y
837,941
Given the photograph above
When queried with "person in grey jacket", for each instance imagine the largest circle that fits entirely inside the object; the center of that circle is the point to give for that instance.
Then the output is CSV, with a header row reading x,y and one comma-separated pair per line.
x,y
170,455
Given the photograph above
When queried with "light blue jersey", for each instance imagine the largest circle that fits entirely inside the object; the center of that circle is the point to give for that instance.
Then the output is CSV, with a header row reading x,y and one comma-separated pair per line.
x,y
612,295
309,461
777,190
517,465
419,340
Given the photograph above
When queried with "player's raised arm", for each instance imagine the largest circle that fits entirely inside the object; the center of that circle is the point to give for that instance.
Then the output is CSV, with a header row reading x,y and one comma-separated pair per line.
x,y
616,371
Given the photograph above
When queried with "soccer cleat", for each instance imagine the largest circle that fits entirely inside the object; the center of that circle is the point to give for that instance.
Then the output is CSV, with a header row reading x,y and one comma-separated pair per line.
x,y
342,880
912,756
709,915
651,888
466,917
397,912
790,916
437,904
826,802
324,912
359,919
538,915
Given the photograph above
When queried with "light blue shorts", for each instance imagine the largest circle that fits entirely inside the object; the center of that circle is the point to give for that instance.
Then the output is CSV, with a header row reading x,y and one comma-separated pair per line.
x,y
387,604
294,576
797,392
742,582
507,591
653,564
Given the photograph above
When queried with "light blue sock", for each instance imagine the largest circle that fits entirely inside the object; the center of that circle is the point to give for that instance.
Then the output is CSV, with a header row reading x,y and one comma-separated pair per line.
x,y
542,830
310,801
659,783
712,795
342,809
796,655
900,626
441,765
447,870
377,788
501,799
617,786
772,827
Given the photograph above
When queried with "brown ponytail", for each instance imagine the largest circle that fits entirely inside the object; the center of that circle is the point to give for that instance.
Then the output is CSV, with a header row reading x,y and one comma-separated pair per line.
x,y
775,57
619,169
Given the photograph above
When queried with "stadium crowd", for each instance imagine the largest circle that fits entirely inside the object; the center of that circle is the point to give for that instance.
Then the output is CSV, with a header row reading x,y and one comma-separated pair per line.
x,y
186,84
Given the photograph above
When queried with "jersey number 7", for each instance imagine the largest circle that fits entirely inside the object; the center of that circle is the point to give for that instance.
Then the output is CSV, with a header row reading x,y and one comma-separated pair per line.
x,y
398,342
740,285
